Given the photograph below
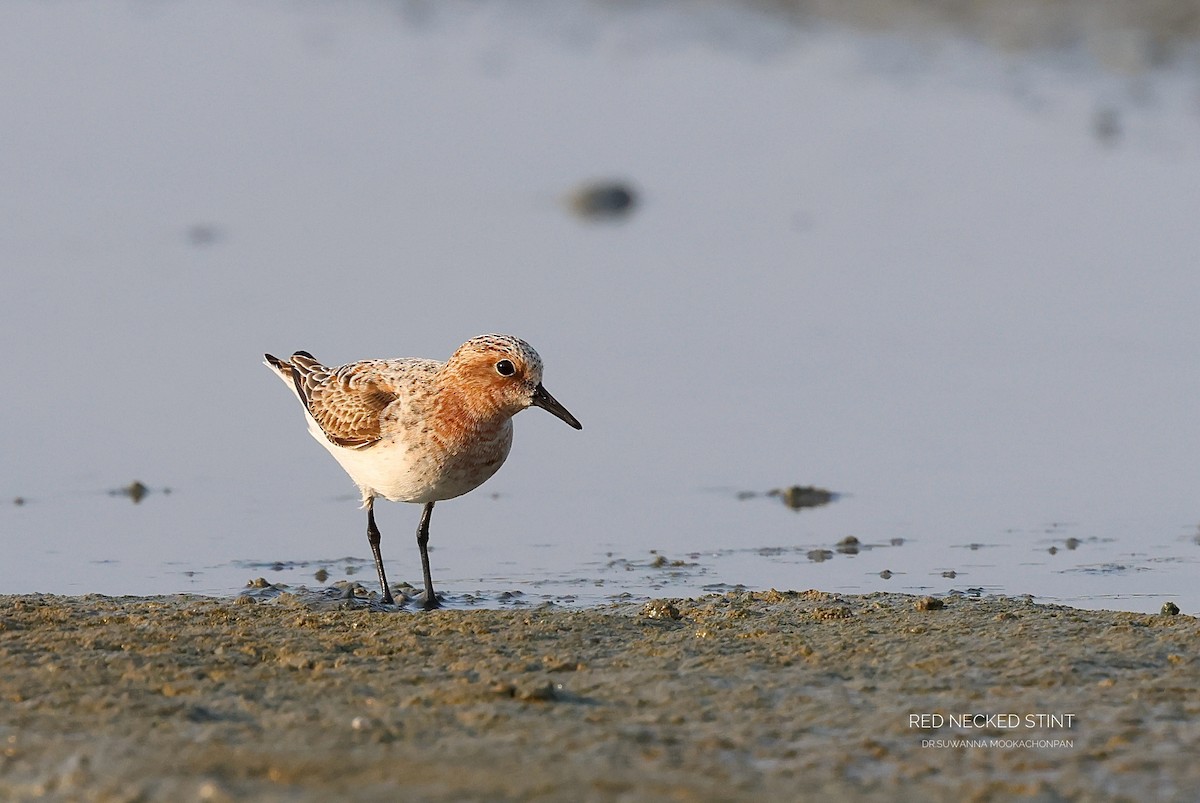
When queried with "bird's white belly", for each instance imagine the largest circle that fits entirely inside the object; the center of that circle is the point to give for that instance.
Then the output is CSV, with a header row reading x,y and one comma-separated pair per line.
x,y
401,472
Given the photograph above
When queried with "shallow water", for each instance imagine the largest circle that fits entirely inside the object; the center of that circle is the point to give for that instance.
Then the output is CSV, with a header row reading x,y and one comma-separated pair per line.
x,y
953,284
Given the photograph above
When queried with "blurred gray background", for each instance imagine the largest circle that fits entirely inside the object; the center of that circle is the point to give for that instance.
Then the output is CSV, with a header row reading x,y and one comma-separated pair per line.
x,y
940,258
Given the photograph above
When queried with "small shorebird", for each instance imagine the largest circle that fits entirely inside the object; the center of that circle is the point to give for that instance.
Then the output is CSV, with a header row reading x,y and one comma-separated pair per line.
x,y
414,430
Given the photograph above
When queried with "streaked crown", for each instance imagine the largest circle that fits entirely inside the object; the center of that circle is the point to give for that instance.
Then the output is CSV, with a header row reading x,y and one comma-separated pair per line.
x,y
497,347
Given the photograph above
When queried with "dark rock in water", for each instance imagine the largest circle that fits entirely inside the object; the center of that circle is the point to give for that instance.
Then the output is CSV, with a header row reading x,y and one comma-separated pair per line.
x,y
886,574
603,200
134,490
798,497
1170,609
137,491
848,545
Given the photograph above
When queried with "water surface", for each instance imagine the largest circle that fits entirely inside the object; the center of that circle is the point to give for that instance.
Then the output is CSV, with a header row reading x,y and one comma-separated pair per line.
x,y
954,283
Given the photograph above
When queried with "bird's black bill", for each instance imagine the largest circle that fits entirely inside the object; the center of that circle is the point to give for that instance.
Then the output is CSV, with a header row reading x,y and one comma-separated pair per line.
x,y
548,403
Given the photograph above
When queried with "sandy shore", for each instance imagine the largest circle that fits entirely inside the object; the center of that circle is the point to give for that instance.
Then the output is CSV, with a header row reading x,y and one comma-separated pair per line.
x,y
772,696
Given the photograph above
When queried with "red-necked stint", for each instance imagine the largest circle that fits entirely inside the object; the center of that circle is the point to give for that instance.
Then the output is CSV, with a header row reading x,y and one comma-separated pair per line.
x,y
415,430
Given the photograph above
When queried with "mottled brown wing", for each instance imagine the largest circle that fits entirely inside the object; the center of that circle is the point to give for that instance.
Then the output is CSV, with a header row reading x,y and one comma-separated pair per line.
x,y
346,402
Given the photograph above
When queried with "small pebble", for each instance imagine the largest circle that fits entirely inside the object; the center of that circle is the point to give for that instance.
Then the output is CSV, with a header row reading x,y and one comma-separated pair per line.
x,y
798,497
660,609
1170,609
886,574
929,604
539,692
534,692
135,491
213,792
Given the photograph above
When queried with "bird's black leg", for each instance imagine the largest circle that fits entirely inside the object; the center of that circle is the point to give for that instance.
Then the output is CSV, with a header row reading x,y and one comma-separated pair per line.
x,y
431,600
373,538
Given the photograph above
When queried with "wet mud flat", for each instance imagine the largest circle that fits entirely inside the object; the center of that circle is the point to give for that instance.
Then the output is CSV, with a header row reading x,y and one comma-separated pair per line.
x,y
742,696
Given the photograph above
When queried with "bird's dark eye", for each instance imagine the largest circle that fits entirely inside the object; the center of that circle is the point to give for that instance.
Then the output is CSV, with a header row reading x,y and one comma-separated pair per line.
x,y
506,368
